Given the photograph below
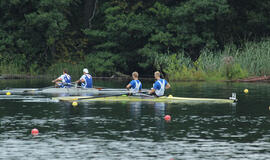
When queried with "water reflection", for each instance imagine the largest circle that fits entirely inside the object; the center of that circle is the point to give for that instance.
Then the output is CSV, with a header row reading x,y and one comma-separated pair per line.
x,y
135,113
160,109
135,110
142,123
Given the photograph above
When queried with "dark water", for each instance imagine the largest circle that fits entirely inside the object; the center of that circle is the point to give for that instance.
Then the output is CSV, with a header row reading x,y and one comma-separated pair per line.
x,y
137,130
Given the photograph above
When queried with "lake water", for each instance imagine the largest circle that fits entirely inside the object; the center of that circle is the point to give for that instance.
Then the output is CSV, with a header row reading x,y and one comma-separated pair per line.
x,y
137,130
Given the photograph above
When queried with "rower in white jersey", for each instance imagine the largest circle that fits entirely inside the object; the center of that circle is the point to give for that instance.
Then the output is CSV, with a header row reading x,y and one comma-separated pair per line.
x,y
64,81
86,79
135,85
159,86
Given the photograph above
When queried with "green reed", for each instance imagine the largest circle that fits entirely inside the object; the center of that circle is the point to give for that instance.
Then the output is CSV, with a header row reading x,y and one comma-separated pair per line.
x,y
10,68
251,59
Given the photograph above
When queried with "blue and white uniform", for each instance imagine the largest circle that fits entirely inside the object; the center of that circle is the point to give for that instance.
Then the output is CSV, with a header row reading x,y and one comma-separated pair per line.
x,y
136,86
160,86
66,81
88,82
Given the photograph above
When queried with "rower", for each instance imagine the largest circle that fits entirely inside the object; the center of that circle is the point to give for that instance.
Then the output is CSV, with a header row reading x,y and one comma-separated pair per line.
x,y
86,79
159,86
64,81
135,85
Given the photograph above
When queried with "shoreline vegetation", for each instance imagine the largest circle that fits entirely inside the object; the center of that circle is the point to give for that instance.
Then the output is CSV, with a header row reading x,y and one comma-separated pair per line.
x,y
27,76
252,59
247,63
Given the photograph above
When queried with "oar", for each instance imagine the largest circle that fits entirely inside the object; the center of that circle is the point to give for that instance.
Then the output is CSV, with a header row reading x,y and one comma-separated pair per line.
x,y
41,89
93,97
70,98
31,90
38,89
88,97
103,96
145,91
141,94
110,95
118,89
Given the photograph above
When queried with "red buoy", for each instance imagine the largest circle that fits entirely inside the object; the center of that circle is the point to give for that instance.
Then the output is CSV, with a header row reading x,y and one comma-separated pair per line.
x,y
167,118
34,132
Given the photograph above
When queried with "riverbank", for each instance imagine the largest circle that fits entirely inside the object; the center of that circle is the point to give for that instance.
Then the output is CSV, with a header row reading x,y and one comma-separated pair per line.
x,y
254,79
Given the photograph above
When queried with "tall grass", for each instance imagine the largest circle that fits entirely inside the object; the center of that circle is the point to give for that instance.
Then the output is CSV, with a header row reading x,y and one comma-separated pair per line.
x,y
75,70
252,59
11,68
12,64
255,57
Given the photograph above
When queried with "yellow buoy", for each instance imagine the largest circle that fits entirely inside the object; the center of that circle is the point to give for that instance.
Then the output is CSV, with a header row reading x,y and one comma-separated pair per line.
x,y
246,91
269,107
124,95
8,93
74,104
170,96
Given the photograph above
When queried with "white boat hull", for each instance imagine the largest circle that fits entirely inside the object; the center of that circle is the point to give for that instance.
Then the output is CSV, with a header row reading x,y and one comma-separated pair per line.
x,y
71,91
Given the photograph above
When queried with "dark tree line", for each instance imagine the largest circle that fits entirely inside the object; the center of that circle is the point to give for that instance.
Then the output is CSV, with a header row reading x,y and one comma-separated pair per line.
x,y
123,35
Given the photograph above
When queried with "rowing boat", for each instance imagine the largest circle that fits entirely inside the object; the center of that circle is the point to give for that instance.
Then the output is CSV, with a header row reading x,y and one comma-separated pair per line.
x,y
75,91
71,91
125,98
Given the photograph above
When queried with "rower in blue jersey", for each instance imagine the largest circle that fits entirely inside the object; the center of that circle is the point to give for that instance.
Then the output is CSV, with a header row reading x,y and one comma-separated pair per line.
x,y
159,86
86,79
64,81
135,85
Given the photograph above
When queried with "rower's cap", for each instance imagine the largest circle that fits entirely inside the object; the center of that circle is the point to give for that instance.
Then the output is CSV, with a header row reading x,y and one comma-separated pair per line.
x,y
85,70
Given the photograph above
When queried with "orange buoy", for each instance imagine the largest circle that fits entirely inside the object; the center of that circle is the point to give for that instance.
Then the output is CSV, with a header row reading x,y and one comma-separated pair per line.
x,y
167,118
34,132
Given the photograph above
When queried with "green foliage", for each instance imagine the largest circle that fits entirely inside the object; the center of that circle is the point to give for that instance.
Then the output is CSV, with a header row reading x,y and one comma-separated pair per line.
x,y
196,24
32,28
34,69
255,57
74,70
12,64
235,71
232,63
190,37
182,68
101,64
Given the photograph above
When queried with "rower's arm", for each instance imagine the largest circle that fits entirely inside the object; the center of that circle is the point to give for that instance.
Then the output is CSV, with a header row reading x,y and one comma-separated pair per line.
x,y
152,91
57,79
128,86
168,86
80,80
